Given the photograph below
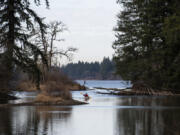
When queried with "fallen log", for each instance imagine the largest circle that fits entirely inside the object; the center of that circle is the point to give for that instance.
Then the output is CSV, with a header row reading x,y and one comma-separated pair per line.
x,y
141,93
114,89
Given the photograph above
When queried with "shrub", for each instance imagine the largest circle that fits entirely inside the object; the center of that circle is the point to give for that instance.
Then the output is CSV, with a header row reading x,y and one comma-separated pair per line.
x,y
47,99
56,89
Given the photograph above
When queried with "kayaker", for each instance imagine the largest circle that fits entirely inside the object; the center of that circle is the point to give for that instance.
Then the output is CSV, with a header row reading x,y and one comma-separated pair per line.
x,y
86,95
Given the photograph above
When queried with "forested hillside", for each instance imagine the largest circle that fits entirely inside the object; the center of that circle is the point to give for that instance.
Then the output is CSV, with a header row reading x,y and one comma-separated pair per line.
x,y
95,70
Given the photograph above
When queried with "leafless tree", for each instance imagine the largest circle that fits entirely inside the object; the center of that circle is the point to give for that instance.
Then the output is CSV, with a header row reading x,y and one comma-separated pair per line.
x,y
51,43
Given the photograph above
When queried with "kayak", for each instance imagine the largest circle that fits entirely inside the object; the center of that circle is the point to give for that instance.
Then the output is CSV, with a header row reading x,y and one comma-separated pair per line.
x,y
86,96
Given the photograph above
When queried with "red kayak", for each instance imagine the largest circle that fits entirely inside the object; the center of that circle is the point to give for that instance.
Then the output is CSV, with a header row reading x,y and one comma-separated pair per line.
x,y
86,95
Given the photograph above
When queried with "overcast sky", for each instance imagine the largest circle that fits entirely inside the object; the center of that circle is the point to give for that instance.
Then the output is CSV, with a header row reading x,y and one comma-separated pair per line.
x,y
90,24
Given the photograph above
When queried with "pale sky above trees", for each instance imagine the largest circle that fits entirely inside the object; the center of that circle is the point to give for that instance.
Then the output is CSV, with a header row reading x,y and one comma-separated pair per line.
x,y
90,24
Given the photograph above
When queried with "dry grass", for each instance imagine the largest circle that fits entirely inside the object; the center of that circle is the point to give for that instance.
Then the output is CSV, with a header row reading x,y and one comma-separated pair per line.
x,y
53,81
44,98
56,89
55,84
76,86
23,83
26,86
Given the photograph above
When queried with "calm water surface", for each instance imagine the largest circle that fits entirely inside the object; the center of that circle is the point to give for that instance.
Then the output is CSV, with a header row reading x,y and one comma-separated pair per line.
x,y
104,115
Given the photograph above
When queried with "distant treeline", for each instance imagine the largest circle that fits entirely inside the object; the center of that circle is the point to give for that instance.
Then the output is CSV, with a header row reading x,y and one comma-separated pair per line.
x,y
95,70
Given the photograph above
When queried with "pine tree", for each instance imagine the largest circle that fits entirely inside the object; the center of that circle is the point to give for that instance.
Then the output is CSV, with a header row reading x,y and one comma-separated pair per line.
x,y
142,49
16,23
171,32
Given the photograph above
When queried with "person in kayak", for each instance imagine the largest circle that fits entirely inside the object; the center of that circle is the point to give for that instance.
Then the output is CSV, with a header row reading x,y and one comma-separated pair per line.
x,y
86,95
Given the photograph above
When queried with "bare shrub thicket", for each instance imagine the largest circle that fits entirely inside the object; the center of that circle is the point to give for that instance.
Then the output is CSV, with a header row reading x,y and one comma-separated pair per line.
x,y
57,84
54,84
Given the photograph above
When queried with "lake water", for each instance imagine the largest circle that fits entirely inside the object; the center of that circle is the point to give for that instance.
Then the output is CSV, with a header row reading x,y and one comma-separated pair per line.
x,y
104,115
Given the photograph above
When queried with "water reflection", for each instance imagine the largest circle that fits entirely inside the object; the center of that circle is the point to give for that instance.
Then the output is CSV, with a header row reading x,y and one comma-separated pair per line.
x,y
149,101
5,122
152,121
105,115
32,120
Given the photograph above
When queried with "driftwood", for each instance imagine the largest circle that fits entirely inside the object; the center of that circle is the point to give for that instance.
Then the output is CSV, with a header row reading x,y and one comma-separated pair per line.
x,y
141,93
114,89
139,89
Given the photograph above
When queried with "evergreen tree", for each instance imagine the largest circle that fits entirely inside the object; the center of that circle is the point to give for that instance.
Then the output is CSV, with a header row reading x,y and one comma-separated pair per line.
x,y
94,70
16,23
171,34
142,51
106,68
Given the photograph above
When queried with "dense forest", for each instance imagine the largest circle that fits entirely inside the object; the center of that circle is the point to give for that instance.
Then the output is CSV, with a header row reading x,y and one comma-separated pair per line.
x,y
95,70
147,45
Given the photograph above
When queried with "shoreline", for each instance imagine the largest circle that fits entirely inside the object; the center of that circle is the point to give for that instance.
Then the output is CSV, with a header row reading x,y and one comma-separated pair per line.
x,y
64,103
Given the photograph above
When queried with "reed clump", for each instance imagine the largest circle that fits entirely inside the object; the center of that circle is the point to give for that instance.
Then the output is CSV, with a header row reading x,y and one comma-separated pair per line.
x,y
47,99
52,81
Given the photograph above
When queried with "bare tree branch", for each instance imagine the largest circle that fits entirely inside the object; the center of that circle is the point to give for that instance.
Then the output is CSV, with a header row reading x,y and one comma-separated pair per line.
x,y
50,43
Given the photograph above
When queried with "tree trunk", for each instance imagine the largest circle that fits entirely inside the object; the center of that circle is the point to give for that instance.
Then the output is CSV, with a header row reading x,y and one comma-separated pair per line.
x,y
8,59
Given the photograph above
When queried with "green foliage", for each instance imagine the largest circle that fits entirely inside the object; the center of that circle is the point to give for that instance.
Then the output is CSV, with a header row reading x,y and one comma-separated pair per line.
x,y
17,21
147,42
95,70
